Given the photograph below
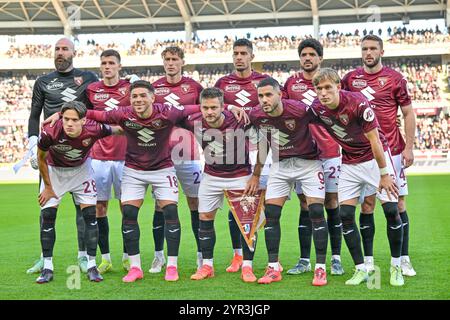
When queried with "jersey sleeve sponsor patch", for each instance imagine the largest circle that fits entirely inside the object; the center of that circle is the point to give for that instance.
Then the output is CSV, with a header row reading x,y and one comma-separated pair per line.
x,y
368,115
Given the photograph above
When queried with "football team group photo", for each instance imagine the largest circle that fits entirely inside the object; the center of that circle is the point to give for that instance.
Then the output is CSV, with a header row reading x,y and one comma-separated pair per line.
x,y
239,163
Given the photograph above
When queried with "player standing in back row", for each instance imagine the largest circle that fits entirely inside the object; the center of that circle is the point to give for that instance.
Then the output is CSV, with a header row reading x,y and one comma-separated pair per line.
x,y
108,154
386,90
177,90
239,89
301,88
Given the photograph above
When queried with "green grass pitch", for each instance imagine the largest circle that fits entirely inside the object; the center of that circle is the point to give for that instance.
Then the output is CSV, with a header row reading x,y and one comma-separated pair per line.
x,y
428,208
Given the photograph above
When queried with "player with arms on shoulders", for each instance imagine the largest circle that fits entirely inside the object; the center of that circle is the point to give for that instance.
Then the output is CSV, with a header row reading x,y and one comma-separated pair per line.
x,y
366,167
285,125
108,154
386,90
177,90
301,88
239,88
227,166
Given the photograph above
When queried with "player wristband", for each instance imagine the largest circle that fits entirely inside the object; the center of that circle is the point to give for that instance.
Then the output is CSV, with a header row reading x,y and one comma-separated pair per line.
x,y
230,107
383,171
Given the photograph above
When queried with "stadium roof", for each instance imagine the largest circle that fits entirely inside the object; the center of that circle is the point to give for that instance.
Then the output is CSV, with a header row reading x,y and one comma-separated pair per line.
x,y
50,16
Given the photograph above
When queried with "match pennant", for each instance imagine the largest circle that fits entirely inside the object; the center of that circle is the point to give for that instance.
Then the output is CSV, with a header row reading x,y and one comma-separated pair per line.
x,y
248,213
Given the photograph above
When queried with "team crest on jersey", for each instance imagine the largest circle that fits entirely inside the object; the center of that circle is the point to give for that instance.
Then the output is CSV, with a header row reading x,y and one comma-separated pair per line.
x,y
359,83
78,80
157,124
344,119
290,124
162,91
382,81
299,87
232,88
185,87
123,91
326,120
255,83
86,142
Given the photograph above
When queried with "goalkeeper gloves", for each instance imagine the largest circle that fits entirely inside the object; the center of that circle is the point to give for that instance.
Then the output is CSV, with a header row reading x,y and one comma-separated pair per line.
x,y
32,149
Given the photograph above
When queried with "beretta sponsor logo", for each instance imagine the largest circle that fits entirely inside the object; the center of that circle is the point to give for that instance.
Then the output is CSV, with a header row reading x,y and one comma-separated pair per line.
x,y
359,83
299,87
55,85
232,88
101,96
162,91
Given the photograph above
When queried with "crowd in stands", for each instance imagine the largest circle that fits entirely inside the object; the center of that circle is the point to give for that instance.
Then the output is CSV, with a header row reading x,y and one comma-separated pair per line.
x,y
12,143
423,76
433,133
331,39
15,102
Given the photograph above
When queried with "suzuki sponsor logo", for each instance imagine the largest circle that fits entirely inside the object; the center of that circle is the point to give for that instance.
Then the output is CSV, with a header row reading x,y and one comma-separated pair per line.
x,y
68,95
74,154
145,135
111,104
243,97
309,97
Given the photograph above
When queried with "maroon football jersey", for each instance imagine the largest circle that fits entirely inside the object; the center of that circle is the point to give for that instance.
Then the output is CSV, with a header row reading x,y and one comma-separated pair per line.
x,y
348,123
104,98
147,139
185,92
301,89
288,133
226,148
386,90
241,92
64,151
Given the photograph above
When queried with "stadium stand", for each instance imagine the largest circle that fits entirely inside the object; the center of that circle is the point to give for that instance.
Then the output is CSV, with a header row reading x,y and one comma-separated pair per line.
x,y
426,85
332,39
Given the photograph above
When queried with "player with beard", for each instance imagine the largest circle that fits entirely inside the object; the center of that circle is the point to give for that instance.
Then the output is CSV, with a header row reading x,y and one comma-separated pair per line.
x,y
386,90
108,154
300,87
178,90
50,91
284,124
227,166
239,89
